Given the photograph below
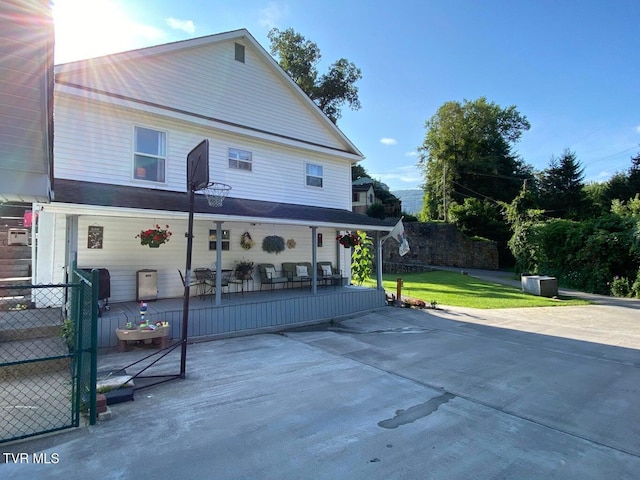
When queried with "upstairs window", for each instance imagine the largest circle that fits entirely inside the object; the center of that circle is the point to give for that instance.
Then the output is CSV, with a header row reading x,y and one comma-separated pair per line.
x,y
240,159
149,154
313,175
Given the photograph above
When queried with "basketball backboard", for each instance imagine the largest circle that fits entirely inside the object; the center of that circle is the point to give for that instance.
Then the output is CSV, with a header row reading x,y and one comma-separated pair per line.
x,y
198,166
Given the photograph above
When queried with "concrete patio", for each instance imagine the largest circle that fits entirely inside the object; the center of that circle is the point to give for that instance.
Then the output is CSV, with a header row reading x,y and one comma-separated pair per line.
x,y
439,394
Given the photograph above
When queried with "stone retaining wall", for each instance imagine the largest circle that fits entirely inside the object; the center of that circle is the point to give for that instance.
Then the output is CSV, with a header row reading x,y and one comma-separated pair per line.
x,y
439,244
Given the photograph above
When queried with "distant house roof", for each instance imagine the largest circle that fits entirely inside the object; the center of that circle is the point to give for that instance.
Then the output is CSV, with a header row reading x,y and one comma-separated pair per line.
x,y
362,181
233,209
361,188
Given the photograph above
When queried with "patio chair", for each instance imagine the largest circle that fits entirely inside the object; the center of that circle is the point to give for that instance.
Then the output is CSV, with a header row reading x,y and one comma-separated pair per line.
x,y
299,272
239,278
208,278
194,282
270,276
328,275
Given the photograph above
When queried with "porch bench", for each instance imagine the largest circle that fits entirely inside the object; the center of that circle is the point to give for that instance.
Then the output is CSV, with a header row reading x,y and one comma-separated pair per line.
x,y
297,272
270,276
329,275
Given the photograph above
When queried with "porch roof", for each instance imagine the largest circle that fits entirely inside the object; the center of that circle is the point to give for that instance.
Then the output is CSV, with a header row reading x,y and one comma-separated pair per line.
x,y
103,198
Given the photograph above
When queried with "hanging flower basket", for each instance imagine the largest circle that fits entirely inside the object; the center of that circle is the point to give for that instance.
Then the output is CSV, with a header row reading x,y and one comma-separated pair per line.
x,y
348,240
273,244
246,241
154,237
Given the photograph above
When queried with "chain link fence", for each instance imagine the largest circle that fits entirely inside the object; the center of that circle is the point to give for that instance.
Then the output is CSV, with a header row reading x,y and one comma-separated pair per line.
x,y
45,342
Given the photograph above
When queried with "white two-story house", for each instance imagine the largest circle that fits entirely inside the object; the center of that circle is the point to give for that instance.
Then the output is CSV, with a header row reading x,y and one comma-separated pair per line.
x,y
124,126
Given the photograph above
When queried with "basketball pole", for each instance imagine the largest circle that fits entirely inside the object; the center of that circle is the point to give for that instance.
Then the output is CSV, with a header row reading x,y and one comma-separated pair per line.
x,y
187,284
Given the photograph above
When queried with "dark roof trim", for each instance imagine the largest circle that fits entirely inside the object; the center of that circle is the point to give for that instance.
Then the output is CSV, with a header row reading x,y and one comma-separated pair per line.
x,y
119,96
238,209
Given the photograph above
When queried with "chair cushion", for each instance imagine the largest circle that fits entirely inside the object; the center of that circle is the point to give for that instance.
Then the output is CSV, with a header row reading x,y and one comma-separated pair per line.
x,y
326,270
270,272
301,271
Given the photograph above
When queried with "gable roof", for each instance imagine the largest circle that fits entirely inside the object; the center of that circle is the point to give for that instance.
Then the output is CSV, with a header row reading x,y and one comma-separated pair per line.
x,y
79,194
65,80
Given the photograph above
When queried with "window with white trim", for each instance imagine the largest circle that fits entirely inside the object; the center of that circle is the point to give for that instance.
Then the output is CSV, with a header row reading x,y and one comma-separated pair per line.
x,y
149,154
313,174
240,159
225,240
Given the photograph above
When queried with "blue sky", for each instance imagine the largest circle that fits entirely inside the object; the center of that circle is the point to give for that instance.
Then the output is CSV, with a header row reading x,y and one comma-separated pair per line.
x,y
572,67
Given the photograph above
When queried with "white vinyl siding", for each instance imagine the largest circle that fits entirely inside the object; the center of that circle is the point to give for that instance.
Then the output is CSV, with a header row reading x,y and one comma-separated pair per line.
x,y
149,154
240,159
94,143
208,81
123,255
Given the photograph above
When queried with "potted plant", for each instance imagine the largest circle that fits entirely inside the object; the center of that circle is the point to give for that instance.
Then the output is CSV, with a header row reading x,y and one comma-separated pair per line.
x,y
154,237
348,240
244,269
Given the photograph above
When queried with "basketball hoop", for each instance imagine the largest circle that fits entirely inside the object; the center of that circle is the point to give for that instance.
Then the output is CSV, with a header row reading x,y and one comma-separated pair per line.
x,y
216,193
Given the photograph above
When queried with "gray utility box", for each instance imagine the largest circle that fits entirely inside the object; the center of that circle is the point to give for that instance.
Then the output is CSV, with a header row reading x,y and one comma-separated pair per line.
x,y
18,236
146,285
540,285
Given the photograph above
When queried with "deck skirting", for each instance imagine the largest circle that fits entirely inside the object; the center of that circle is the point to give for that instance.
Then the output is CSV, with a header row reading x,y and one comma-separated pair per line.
x,y
244,315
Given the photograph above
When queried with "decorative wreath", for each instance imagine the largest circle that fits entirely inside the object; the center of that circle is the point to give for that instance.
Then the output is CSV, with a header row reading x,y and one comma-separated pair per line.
x,y
246,241
291,243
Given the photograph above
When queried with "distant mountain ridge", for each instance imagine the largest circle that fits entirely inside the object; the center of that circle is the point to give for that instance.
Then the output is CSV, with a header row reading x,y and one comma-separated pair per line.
x,y
411,200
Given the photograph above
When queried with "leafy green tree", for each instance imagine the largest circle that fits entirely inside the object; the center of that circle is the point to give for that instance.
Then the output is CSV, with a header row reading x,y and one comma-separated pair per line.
x,y
562,187
376,210
482,218
468,152
299,57
362,259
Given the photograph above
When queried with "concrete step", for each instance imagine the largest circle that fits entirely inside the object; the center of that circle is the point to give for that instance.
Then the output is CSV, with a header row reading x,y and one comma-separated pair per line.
x,y
35,353
20,325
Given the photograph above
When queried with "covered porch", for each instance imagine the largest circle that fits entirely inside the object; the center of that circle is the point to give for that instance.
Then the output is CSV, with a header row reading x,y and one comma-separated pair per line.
x,y
251,312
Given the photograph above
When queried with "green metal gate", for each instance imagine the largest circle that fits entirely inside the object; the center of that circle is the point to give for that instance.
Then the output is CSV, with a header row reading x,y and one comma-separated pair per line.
x,y
48,356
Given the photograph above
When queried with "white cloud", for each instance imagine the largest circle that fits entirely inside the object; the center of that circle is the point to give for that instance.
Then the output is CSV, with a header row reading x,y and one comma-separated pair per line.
x,y
412,153
406,176
272,14
185,25
388,141
638,129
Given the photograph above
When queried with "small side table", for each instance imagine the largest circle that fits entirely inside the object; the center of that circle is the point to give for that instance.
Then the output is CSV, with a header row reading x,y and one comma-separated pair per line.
x,y
159,336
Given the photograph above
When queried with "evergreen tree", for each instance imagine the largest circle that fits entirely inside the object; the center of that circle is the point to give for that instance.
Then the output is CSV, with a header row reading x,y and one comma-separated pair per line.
x,y
562,188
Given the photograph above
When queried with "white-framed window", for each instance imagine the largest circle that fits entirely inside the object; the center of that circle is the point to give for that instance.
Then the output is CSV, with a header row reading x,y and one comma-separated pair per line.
x,y
240,159
149,154
225,240
313,174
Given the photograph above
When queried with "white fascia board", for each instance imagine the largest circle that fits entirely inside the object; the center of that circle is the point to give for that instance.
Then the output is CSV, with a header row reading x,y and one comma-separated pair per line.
x,y
100,98
79,210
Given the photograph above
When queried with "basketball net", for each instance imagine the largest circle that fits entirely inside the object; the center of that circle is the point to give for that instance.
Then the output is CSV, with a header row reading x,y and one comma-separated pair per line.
x,y
216,193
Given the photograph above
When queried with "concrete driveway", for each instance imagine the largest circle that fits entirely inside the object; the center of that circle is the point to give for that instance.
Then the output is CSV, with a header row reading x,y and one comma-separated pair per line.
x,y
395,394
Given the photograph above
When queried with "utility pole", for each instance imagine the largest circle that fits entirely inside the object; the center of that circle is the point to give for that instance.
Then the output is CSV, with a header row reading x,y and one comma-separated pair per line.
x,y
444,193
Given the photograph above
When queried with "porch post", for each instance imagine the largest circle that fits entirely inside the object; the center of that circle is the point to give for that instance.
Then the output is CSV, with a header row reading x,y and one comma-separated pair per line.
x,y
314,260
218,263
379,260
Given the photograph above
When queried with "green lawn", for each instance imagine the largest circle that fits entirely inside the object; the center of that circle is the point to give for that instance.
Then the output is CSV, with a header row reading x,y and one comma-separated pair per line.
x,y
456,289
